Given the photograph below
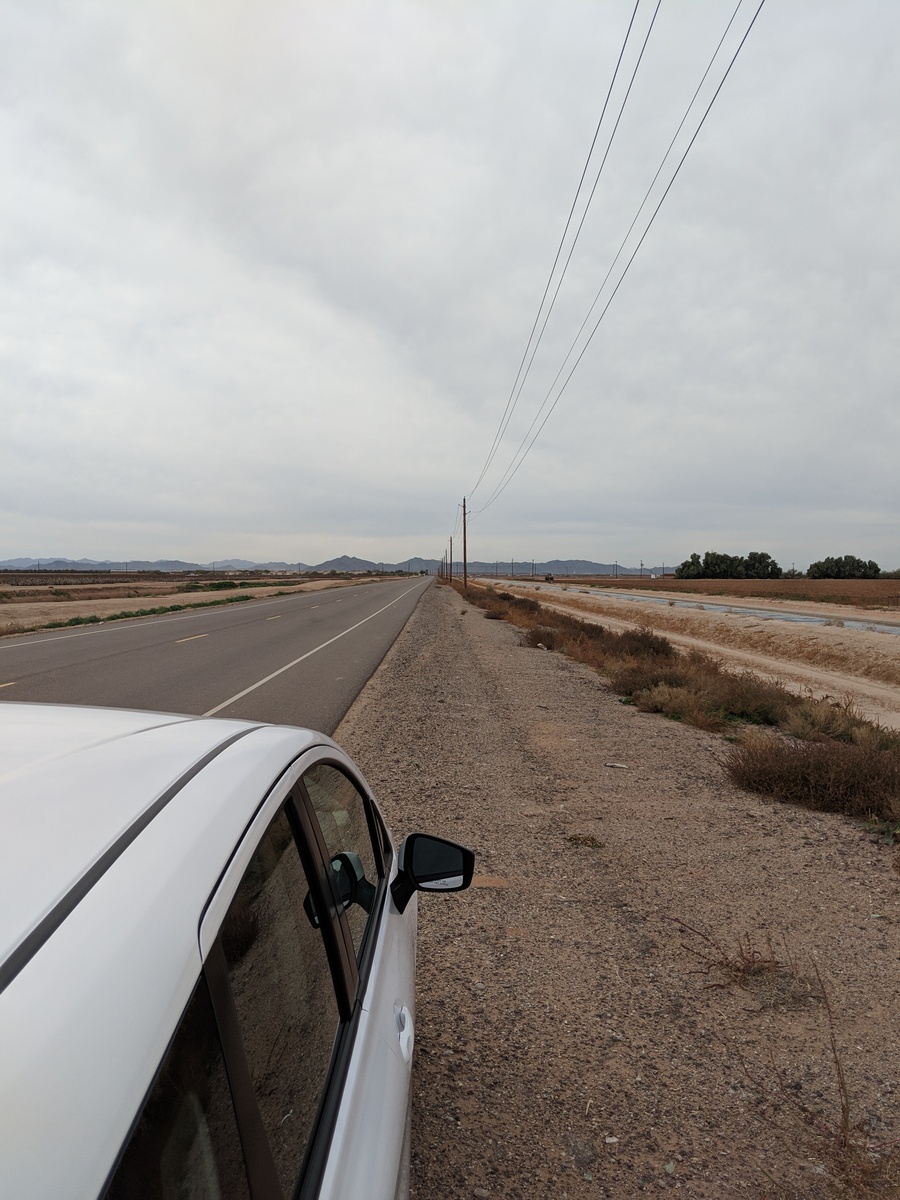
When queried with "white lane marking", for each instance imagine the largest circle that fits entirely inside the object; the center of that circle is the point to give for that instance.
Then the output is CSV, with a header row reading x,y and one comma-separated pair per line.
x,y
281,670
193,638
39,637
277,617
3,685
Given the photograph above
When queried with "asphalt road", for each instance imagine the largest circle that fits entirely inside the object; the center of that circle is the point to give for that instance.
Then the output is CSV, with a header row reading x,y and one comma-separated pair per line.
x,y
298,660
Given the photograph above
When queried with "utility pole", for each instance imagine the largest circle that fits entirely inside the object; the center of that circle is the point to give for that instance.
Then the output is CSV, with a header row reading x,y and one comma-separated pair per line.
x,y
451,560
465,552
512,568
642,568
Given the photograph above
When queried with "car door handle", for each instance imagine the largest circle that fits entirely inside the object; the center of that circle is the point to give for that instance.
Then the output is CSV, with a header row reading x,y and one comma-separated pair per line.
x,y
405,1032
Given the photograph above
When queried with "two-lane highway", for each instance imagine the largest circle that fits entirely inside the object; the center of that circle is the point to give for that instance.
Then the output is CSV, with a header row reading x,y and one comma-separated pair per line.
x,y
298,660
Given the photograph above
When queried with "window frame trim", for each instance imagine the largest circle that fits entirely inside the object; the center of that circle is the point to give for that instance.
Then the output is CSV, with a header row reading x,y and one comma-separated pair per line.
x,y
382,849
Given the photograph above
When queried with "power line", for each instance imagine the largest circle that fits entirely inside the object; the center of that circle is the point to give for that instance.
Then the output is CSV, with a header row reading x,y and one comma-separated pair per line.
x,y
520,455
562,276
625,239
504,421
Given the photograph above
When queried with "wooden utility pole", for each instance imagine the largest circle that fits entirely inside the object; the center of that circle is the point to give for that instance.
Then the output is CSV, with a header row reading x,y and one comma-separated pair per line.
x,y
451,560
465,552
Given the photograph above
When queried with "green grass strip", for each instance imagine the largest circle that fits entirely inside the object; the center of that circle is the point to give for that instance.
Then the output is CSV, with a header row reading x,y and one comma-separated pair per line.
x,y
142,612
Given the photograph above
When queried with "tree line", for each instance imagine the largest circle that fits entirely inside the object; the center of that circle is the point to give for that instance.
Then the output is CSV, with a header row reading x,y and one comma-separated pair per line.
x,y
759,565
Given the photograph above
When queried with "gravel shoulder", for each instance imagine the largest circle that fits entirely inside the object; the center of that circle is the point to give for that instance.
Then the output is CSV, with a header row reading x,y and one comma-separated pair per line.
x,y
570,1043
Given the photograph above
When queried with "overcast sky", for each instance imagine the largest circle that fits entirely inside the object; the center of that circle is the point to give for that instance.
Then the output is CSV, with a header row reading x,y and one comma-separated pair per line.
x,y
269,269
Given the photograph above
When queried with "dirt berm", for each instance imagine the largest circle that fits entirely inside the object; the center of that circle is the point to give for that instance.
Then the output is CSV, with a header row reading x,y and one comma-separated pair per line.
x,y
575,1040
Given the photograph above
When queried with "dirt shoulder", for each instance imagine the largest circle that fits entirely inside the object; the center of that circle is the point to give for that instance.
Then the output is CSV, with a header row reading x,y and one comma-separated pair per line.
x,y
569,1043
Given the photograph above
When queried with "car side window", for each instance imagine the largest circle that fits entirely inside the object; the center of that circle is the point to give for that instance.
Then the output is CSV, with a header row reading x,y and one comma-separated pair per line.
x,y
342,813
283,995
186,1143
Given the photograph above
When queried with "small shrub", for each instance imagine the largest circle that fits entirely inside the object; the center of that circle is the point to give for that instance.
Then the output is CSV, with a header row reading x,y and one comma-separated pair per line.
x,y
541,636
817,720
775,978
631,676
681,704
828,776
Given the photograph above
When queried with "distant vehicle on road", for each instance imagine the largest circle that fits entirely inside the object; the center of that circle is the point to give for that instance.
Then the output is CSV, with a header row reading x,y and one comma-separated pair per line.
x,y
207,956
548,579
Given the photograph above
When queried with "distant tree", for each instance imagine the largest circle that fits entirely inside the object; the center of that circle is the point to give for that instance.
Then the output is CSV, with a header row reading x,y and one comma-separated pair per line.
x,y
691,568
757,565
722,566
848,566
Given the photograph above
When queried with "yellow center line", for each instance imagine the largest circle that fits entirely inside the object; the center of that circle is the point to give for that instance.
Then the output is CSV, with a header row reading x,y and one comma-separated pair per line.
x,y
190,639
11,684
277,617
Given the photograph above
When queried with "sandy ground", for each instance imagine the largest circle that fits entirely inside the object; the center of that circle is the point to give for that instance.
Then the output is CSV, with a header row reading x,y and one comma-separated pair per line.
x,y
19,616
570,1043
824,660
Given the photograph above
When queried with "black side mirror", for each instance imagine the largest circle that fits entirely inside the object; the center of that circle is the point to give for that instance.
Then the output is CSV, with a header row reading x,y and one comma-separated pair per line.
x,y
431,864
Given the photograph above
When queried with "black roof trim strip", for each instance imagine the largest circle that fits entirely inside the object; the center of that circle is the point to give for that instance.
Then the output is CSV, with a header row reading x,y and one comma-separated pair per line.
x,y
29,946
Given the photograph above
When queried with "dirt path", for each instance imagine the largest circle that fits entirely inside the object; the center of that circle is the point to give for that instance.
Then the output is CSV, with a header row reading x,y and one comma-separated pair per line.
x,y
566,1044
823,660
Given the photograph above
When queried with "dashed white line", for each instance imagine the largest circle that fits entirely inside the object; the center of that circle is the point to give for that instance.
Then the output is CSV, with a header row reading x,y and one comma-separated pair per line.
x,y
195,637
281,670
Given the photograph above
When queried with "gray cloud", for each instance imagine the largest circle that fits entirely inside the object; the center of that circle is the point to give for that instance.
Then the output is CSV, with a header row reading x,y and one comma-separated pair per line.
x,y
268,271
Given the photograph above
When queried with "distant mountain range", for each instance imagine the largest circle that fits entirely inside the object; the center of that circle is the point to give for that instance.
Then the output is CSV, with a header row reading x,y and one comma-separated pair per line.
x,y
556,566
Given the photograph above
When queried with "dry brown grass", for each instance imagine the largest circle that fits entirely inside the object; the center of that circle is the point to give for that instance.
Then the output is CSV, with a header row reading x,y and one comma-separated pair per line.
x,y
824,775
851,1162
857,1165
825,756
773,975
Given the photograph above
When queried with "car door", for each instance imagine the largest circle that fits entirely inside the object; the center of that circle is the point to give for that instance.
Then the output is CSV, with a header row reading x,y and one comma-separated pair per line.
x,y
311,981
370,1140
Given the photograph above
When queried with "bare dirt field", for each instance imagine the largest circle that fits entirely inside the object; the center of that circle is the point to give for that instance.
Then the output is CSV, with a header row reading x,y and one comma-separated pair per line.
x,y
27,609
881,594
575,1038
824,660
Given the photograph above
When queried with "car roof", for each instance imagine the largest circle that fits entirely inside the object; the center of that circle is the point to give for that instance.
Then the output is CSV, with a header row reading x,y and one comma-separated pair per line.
x,y
73,783
114,829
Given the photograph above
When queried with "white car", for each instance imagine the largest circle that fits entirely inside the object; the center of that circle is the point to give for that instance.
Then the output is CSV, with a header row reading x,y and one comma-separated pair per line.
x,y
207,953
